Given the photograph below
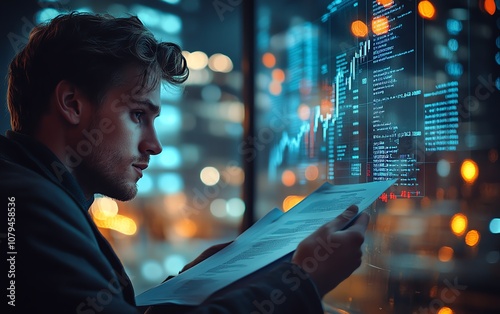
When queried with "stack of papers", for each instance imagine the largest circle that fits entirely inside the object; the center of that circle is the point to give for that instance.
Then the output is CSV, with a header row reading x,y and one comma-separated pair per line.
x,y
271,238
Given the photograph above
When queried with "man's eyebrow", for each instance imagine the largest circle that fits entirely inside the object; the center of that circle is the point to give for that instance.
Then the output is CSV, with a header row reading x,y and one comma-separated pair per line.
x,y
151,107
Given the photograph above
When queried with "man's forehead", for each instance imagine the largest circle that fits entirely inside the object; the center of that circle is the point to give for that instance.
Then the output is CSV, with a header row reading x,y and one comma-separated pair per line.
x,y
140,81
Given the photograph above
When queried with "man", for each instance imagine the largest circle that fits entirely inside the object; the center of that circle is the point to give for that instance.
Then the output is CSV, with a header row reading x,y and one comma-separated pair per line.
x,y
83,95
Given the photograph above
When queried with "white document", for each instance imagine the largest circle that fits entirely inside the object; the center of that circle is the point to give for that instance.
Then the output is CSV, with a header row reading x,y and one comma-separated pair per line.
x,y
269,239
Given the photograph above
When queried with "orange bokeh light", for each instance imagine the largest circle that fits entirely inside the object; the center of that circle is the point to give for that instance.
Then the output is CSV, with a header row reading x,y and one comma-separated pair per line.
x,y
489,6
359,29
385,3
458,224
269,60
275,88
290,201
304,112
426,9
380,25
278,75
445,310
186,228
312,172
469,171
445,254
472,238
288,178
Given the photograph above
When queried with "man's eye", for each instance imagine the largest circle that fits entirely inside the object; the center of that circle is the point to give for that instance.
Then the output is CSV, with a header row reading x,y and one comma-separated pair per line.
x,y
138,115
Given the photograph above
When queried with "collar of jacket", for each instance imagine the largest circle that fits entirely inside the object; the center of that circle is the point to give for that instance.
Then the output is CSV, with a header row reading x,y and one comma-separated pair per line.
x,y
29,152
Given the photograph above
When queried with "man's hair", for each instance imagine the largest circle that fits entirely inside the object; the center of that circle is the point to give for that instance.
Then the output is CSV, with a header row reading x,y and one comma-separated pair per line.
x,y
91,51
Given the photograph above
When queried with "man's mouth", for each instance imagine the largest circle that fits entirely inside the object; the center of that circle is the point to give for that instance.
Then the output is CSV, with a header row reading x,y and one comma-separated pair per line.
x,y
139,167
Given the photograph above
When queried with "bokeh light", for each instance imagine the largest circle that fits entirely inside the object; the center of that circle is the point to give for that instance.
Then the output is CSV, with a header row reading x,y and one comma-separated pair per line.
x,y
185,228
278,75
210,176
275,88
445,310
174,263
385,3
489,6
426,9
197,60
103,208
120,223
458,224
290,201
359,29
218,208
170,183
288,178
469,171
220,63
304,112
269,60
495,225
472,238
380,25
312,172
443,168
235,207
445,254
151,270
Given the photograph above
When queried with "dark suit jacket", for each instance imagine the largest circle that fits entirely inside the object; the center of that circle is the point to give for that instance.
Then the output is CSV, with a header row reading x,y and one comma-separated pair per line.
x,y
58,262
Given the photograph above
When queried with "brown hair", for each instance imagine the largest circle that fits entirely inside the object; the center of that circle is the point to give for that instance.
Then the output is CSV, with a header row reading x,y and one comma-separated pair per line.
x,y
90,51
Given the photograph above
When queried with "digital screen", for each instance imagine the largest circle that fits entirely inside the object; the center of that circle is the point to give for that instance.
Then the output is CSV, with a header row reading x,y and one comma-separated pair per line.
x,y
360,91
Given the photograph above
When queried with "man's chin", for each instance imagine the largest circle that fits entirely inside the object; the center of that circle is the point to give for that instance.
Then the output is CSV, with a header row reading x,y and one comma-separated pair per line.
x,y
124,193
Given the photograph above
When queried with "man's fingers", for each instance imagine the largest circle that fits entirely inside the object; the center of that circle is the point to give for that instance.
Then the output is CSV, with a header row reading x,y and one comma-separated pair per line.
x,y
361,223
214,249
341,220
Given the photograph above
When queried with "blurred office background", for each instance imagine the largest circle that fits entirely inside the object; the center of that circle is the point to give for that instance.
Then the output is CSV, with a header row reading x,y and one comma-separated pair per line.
x,y
191,195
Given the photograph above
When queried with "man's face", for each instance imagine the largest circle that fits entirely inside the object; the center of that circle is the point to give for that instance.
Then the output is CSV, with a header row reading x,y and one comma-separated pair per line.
x,y
125,120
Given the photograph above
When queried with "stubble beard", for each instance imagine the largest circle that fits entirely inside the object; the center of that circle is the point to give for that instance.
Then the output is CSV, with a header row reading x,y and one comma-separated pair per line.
x,y
102,171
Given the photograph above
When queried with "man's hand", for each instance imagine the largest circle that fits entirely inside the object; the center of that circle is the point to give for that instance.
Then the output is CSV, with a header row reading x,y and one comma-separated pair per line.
x,y
330,255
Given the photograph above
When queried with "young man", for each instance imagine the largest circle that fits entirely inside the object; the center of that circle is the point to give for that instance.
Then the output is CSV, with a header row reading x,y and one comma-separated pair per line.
x,y
83,95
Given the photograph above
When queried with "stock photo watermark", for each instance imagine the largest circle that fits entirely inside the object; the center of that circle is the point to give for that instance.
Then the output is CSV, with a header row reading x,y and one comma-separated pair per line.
x,y
104,297
11,250
19,40
295,277
221,7
447,296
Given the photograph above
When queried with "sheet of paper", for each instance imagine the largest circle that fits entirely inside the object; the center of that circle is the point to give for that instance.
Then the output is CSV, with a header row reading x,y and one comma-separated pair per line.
x,y
272,237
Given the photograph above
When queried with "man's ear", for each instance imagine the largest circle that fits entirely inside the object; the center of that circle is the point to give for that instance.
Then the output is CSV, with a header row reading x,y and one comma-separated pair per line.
x,y
68,102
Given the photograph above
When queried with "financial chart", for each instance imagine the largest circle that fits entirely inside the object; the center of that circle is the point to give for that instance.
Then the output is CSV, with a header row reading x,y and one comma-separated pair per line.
x,y
372,90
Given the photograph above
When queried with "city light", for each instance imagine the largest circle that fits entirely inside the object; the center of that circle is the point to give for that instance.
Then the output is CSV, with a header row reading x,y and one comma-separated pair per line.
x,y
380,25
288,178
220,63
103,208
445,310
269,60
426,10
489,6
445,254
359,29
196,60
469,171
472,238
385,3
312,173
290,201
210,176
458,224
